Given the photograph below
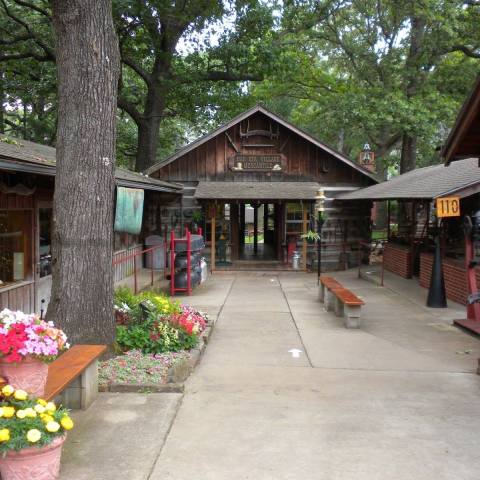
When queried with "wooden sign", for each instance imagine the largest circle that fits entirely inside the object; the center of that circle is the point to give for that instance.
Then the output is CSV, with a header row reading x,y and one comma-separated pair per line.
x,y
448,207
256,163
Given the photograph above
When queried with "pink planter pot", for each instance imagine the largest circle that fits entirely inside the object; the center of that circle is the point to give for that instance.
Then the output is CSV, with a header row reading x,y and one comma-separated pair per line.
x,y
30,375
34,463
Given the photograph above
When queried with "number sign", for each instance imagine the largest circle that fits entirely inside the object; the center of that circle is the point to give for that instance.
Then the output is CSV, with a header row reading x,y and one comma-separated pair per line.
x,y
448,207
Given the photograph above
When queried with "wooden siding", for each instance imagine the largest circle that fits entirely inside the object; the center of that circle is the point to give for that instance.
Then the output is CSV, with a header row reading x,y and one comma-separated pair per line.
x,y
303,160
21,297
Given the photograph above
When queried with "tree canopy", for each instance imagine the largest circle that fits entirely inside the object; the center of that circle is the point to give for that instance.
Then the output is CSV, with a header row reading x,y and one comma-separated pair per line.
x,y
385,72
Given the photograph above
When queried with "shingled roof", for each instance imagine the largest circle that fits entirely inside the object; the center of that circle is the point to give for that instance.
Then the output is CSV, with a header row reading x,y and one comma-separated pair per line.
x,y
257,190
461,178
21,155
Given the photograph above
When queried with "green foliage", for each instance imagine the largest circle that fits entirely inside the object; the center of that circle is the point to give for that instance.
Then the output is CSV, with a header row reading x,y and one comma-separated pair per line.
x,y
19,427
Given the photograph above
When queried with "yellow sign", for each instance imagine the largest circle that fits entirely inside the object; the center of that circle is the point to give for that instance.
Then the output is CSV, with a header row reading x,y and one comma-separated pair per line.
x,y
448,207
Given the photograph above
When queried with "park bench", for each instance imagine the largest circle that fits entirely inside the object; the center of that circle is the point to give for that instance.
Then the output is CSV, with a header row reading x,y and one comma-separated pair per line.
x,y
348,306
73,376
326,285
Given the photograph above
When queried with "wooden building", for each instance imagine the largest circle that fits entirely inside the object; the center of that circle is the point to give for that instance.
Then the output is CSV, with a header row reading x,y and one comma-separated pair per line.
x,y
464,138
410,247
27,181
258,159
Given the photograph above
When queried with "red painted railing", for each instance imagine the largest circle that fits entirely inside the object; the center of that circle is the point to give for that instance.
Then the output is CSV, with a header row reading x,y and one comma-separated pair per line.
x,y
133,256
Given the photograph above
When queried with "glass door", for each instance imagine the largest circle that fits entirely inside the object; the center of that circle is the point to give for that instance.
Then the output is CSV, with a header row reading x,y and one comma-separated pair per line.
x,y
44,258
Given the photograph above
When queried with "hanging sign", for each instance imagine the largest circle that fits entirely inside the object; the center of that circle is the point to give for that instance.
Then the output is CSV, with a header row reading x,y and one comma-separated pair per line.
x,y
448,207
129,211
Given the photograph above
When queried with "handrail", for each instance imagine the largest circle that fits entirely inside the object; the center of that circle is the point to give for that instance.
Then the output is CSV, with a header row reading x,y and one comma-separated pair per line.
x,y
134,256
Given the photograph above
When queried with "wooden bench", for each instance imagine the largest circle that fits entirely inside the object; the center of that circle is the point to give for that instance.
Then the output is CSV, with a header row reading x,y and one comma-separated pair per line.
x,y
348,306
73,376
326,285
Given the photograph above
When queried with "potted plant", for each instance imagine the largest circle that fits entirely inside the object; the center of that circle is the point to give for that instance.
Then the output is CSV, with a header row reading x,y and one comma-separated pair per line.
x,y
27,344
32,433
311,236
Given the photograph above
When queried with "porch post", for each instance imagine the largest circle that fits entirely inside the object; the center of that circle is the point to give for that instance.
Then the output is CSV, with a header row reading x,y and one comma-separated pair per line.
x,y
212,242
304,230
235,237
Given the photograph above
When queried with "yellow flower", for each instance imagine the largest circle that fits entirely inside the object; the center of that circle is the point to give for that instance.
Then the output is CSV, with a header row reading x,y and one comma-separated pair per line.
x,y
8,412
34,435
41,402
7,390
20,395
52,427
30,412
50,407
46,417
67,423
4,435
21,413
39,408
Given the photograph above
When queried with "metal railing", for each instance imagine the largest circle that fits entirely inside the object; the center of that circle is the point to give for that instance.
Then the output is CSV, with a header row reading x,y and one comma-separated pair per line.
x,y
131,259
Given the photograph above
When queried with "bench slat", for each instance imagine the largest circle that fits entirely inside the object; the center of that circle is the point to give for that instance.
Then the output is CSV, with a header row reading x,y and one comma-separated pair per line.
x,y
330,282
69,366
347,297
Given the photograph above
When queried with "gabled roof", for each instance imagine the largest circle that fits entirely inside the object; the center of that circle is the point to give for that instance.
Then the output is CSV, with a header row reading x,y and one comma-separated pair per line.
x,y
24,156
465,129
239,118
461,178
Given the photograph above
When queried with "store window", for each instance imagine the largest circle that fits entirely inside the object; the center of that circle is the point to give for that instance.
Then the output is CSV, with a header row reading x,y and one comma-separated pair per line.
x,y
294,218
15,246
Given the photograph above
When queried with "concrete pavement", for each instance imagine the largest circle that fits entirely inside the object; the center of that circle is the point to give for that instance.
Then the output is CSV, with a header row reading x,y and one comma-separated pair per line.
x,y
396,400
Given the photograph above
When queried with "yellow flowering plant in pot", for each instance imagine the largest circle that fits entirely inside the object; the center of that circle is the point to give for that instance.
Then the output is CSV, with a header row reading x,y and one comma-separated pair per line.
x,y
32,432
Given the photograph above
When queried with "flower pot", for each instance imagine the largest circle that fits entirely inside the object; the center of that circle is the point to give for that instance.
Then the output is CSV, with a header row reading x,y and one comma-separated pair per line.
x,y
30,375
39,463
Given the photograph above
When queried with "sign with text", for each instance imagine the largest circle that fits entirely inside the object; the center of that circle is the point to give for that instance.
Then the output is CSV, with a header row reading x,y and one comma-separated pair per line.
x,y
256,163
448,207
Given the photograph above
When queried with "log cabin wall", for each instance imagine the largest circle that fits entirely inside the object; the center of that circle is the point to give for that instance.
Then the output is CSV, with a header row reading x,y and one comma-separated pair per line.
x,y
302,161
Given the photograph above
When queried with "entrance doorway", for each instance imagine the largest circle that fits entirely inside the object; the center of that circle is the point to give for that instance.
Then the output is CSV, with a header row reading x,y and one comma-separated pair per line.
x,y
257,240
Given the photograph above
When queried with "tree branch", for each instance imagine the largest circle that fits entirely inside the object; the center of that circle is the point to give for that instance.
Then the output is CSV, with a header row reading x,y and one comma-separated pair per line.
x,y
130,108
468,51
49,52
216,76
31,6
137,69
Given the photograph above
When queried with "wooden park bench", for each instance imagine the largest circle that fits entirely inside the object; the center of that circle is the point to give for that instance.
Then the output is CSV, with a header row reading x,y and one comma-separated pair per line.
x,y
348,306
73,376
326,285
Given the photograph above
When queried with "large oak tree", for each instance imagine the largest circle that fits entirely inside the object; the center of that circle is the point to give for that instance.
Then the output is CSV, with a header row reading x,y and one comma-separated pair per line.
x,y
88,66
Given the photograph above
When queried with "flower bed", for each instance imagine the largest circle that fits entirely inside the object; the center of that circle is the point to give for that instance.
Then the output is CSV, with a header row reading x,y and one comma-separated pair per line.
x,y
135,367
158,340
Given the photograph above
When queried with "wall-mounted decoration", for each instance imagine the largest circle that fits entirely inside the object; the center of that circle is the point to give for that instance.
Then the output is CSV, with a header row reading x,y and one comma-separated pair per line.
x,y
257,163
129,211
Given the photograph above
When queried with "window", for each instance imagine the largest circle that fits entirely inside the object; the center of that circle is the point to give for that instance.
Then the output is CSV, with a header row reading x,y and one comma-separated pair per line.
x,y
15,246
45,241
294,220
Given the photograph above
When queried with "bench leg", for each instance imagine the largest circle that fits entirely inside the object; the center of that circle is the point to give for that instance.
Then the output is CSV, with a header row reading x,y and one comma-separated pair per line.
x,y
83,391
338,307
352,316
329,300
321,292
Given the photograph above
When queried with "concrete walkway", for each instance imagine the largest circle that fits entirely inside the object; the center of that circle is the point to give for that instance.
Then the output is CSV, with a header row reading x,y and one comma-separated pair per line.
x,y
392,401
397,399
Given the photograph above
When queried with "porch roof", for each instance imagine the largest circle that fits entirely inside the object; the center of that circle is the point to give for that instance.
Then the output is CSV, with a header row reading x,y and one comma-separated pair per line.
x,y
19,155
461,178
256,190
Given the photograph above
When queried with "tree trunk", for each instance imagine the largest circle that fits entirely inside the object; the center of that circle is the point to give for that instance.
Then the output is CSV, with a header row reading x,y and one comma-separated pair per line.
x,y
149,128
408,157
88,67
